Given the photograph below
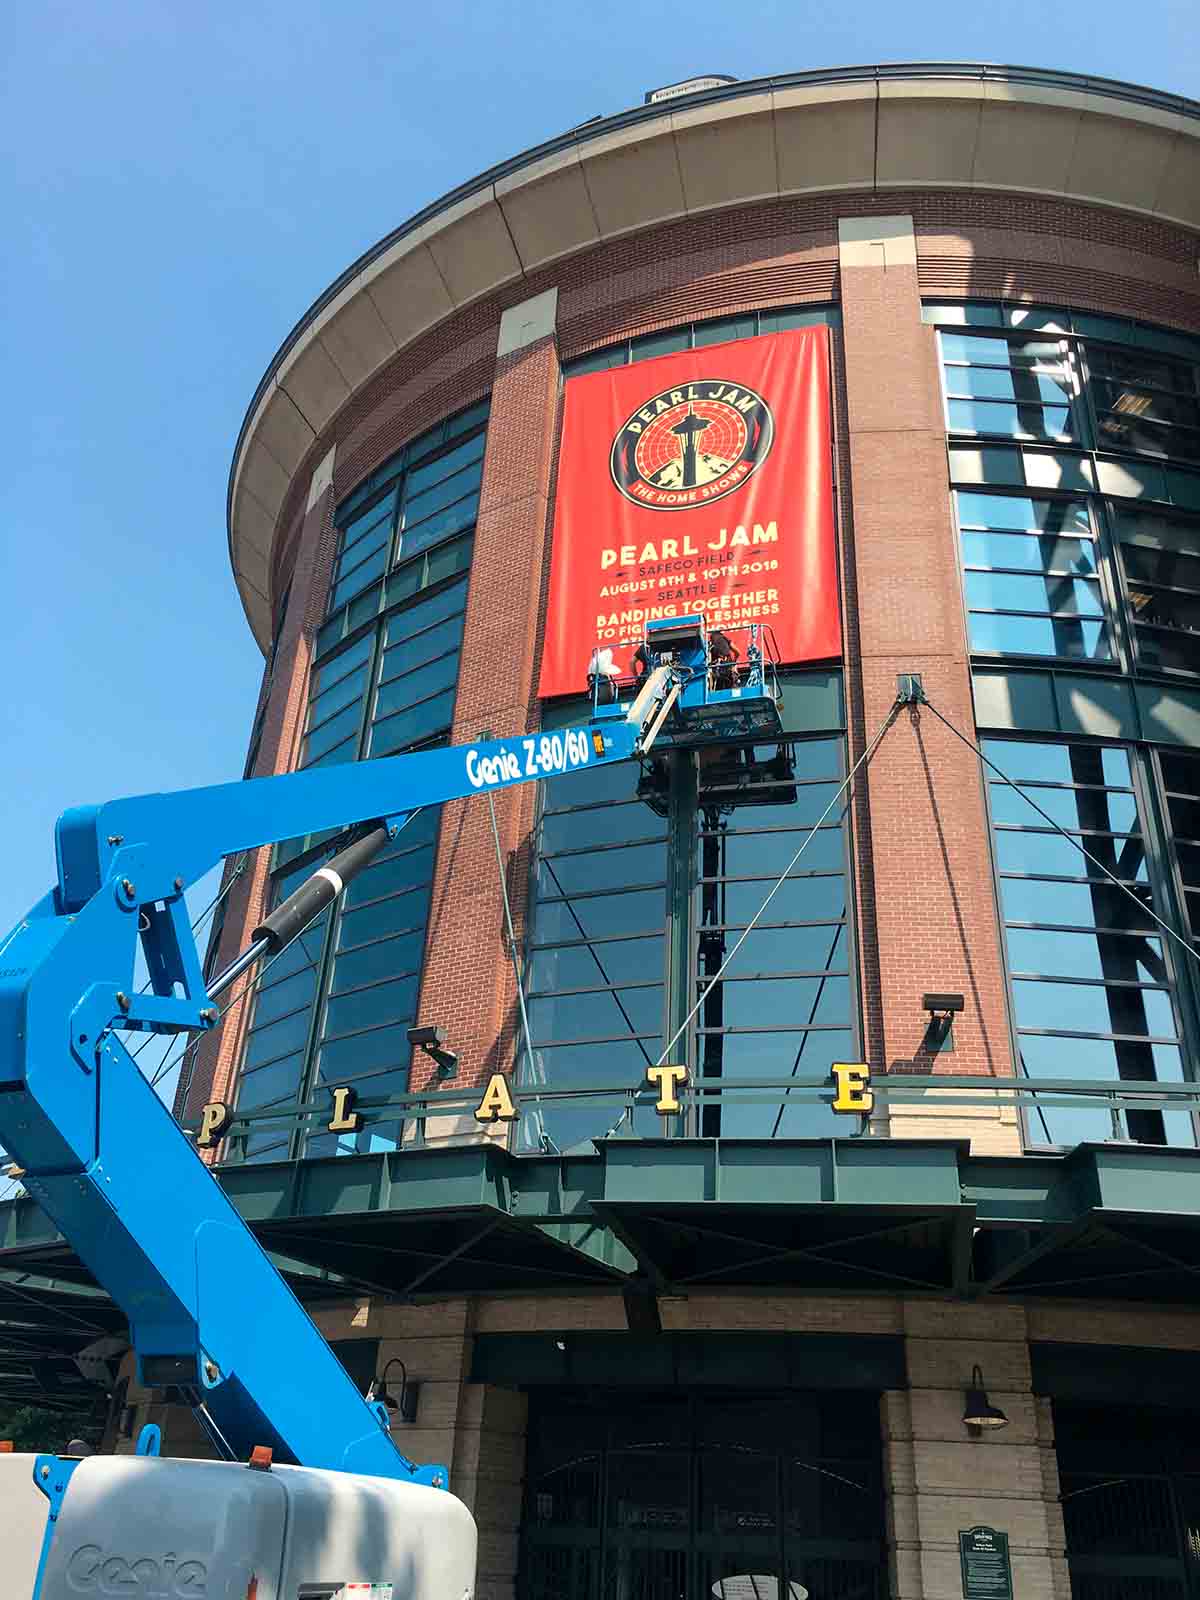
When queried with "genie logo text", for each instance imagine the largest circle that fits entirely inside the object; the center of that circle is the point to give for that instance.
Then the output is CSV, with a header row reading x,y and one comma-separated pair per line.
x,y
93,1571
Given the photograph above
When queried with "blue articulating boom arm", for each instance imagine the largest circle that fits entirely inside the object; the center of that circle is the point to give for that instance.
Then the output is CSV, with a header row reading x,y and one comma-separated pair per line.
x,y
103,1156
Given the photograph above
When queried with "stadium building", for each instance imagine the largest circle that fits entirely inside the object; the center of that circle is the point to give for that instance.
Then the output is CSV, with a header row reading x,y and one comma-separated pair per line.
x,y
892,373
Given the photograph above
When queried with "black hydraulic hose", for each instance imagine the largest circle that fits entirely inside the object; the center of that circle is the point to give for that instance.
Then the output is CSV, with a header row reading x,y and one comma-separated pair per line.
x,y
307,902
301,908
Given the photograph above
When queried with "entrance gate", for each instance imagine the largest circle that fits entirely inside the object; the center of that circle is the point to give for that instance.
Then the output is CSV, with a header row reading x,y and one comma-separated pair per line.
x,y
1131,1502
702,1496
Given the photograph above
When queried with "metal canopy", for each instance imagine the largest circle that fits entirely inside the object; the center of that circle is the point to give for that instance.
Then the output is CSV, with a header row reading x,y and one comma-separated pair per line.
x,y
1116,1221
828,1214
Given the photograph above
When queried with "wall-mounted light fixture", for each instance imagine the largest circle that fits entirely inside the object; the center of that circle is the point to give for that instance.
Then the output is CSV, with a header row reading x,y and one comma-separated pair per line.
x,y
979,1411
942,1009
432,1041
406,1405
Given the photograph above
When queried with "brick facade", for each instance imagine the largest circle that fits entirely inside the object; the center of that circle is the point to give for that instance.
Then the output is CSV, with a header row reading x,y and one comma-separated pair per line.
x,y
902,609
926,911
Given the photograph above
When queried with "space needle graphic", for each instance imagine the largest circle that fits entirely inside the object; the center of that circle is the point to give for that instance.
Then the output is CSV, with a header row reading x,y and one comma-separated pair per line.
x,y
688,430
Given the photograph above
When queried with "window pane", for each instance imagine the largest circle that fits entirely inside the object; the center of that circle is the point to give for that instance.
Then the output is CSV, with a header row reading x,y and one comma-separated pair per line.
x,y
408,727
986,416
638,911
278,1038
358,1053
1045,1057
383,917
401,872
993,383
784,1002
336,668
755,854
421,478
607,961
1001,352
365,1008
725,328
446,603
1091,1008
1096,765
440,525
360,575
1050,853
601,1014
1104,809
1086,955
421,647
1019,513
273,1084
339,694
594,869
388,958
1040,636
1006,592
332,733
361,524
281,998
416,685
1028,551
1098,904
612,824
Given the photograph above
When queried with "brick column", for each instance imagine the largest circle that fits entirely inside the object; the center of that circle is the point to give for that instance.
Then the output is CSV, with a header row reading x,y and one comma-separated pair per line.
x,y
468,986
286,692
927,864
487,1473
941,1480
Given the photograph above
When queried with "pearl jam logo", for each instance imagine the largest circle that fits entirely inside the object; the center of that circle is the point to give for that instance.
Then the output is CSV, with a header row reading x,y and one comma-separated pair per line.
x,y
692,445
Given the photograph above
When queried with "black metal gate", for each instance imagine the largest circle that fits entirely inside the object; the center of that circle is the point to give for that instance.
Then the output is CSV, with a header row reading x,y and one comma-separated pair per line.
x,y
702,1496
1131,1502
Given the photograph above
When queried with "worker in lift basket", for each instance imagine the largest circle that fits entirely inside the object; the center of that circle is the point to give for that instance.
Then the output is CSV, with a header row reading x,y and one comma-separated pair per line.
x,y
721,657
602,677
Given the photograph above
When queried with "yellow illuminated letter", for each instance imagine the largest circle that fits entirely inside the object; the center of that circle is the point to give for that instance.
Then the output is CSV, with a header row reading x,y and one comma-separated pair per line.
x,y
497,1103
668,1081
344,1119
853,1079
214,1119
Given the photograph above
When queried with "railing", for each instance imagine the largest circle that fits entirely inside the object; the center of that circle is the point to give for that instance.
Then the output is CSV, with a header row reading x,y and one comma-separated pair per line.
x,y
439,1117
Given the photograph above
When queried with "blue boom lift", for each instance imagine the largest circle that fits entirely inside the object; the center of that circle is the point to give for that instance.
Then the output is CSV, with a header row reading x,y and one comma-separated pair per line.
x,y
208,1312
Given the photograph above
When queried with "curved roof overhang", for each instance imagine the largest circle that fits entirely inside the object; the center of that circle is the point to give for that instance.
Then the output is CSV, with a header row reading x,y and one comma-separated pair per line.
x,y
935,125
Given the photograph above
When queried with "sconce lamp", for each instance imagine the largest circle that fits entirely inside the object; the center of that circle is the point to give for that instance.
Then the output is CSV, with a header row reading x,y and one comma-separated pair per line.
x,y
979,1411
942,1009
406,1405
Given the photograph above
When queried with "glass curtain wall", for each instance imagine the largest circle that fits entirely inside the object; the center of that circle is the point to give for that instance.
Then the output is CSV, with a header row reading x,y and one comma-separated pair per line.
x,y
1080,568
334,1008
619,866
1073,451
1093,980
695,335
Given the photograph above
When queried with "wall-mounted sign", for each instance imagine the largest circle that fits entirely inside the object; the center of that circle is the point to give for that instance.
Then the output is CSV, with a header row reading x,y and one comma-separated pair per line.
x,y
497,1104
698,482
853,1080
986,1568
216,1116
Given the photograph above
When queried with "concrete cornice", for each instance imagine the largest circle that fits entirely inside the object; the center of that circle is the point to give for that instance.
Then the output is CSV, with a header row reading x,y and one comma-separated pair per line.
x,y
875,128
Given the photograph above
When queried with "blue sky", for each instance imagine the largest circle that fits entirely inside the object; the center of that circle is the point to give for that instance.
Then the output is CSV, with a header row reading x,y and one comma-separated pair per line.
x,y
179,181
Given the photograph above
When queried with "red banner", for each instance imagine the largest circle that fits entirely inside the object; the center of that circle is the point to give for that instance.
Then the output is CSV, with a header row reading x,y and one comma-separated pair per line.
x,y
695,483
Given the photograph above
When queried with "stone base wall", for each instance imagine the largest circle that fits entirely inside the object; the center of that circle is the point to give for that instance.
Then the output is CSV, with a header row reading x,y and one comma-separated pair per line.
x,y
939,1476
